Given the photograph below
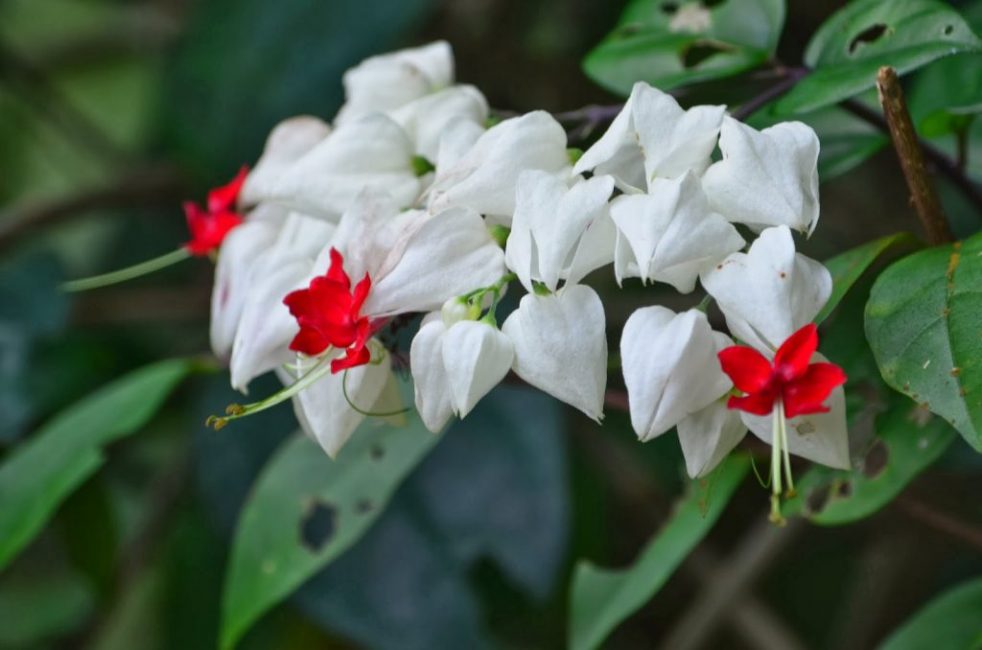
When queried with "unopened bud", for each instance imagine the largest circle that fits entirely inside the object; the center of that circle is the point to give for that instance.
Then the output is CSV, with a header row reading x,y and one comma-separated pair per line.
x,y
458,309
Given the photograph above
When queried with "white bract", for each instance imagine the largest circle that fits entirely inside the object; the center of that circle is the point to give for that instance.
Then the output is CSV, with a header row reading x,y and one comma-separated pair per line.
x,y
288,141
670,234
390,81
454,365
559,232
653,137
484,177
770,292
670,368
370,153
561,346
766,178
426,120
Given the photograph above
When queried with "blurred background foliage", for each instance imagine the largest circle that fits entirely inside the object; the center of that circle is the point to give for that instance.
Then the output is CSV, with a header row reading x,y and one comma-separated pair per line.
x,y
113,111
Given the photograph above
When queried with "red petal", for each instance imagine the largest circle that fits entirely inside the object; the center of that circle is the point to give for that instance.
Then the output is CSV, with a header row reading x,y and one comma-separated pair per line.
x,y
354,357
309,341
336,271
224,198
807,393
792,357
360,293
749,370
757,403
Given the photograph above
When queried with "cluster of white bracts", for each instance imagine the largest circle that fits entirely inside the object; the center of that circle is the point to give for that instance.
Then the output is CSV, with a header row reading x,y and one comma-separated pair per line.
x,y
654,206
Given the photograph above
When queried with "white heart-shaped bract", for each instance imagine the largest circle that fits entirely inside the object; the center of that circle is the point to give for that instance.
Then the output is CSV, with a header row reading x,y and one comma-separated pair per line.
x,y
670,234
550,226
476,356
449,254
670,368
484,178
266,327
819,437
389,81
708,435
766,178
288,141
323,410
426,119
770,292
371,153
561,346
434,401
653,137
231,289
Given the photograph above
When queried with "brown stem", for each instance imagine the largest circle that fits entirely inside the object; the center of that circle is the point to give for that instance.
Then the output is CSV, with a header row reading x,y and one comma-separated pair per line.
x,y
933,518
908,147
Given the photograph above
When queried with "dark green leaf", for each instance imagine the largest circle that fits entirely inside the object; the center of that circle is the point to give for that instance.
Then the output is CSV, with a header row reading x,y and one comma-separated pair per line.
x,y
38,476
306,510
922,323
494,488
846,268
856,41
602,598
908,440
951,620
244,65
670,43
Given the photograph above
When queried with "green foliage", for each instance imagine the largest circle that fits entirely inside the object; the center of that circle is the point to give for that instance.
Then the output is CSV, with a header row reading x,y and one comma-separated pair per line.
x,y
922,323
306,510
602,598
669,44
853,44
951,620
493,492
38,476
846,268
908,440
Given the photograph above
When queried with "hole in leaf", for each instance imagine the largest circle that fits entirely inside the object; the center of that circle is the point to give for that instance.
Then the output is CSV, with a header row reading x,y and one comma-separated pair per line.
x,y
709,4
817,498
948,30
869,35
628,31
669,8
318,525
697,52
876,460
376,452
364,506
843,490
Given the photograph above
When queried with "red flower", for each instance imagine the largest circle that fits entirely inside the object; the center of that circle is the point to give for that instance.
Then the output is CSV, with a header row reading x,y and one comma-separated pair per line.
x,y
209,225
799,385
329,314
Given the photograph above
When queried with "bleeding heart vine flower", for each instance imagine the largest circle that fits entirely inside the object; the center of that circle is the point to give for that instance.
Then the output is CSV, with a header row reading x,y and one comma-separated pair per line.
x,y
789,386
329,315
670,234
209,226
766,178
653,137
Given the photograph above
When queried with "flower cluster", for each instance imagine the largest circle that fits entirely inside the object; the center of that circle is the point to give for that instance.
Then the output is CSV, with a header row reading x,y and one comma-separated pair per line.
x,y
413,201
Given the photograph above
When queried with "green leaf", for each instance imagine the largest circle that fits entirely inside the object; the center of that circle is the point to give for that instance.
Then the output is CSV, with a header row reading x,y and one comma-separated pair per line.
x,y
856,41
494,489
669,43
306,510
48,467
908,441
922,323
846,268
951,620
602,598
947,95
